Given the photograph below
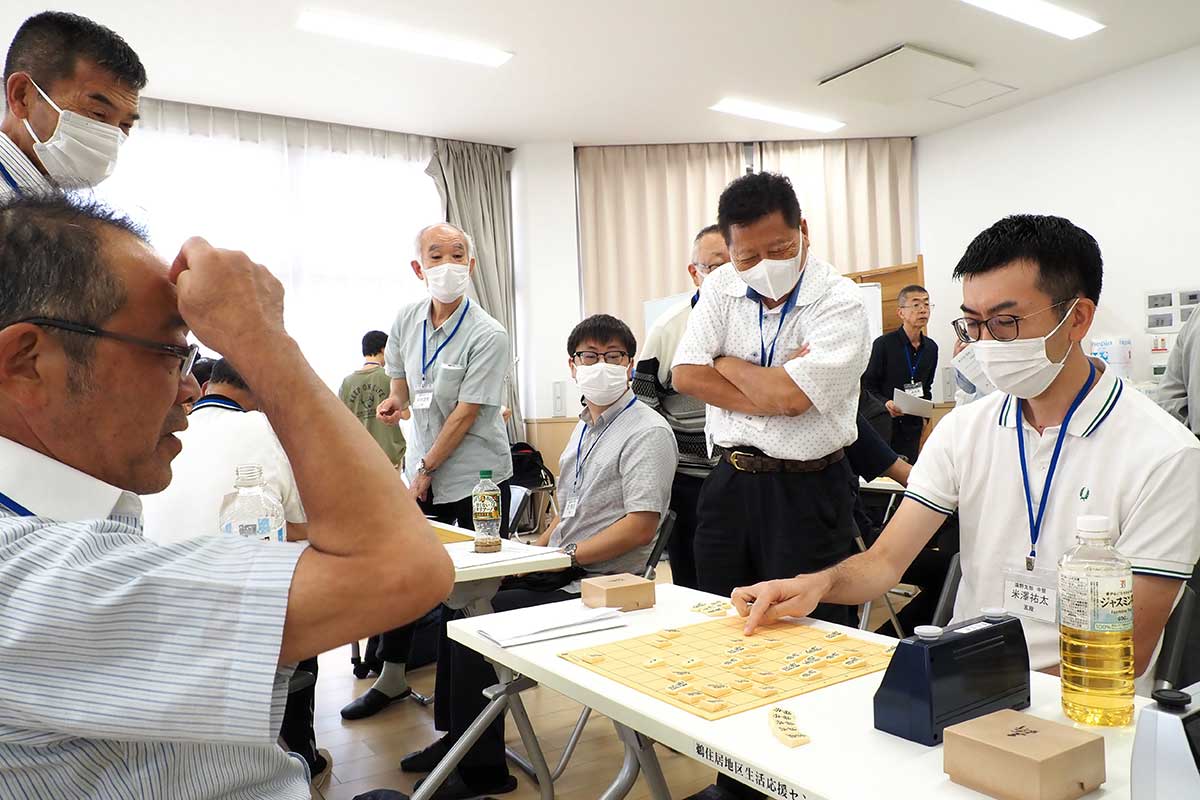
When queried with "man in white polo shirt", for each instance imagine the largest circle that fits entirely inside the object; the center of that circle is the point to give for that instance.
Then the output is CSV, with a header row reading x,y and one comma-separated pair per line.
x,y
1060,438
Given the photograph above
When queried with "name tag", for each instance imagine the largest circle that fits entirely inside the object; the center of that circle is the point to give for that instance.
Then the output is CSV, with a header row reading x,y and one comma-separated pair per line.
x,y
1032,594
570,508
423,399
915,389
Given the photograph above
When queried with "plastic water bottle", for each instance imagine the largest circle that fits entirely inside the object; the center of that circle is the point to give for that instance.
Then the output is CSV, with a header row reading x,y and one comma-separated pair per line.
x,y
485,513
1095,623
250,510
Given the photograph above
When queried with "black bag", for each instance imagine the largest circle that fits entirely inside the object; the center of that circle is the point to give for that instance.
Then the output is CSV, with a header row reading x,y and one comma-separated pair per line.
x,y
529,470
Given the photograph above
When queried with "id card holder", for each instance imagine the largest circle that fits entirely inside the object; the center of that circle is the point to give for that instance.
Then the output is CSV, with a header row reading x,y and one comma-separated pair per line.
x,y
1032,594
915,389
570,508
423,399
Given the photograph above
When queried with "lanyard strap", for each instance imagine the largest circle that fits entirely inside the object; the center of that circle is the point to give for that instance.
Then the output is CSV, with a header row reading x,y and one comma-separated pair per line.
x,y
912,367
579,446
1035,524
426,364
8,178
14,506
765,359
216,402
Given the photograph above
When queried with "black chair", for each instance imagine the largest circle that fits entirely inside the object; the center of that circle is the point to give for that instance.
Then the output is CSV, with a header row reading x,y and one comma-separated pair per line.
x,y
1179,657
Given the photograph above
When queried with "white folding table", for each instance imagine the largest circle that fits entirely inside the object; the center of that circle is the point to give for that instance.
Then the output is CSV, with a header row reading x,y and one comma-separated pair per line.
x,y
847,758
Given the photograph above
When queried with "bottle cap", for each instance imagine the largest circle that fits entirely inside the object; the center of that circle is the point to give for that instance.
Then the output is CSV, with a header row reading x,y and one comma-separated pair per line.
x,y
928,633
485,473
1092,523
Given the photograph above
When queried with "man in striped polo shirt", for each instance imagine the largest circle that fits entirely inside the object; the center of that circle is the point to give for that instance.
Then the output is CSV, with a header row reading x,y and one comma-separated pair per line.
x,y
685,414
1061,437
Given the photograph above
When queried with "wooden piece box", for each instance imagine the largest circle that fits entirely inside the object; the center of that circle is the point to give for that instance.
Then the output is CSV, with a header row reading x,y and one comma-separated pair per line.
x,y
626,592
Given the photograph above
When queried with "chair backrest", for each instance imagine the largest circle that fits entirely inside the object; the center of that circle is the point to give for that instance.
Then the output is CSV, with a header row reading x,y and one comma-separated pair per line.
x,y
1178,661
660,544
520,502
945,604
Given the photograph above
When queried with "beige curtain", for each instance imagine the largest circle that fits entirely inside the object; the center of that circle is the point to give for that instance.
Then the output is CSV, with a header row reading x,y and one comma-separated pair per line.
x,y
857,195
640,206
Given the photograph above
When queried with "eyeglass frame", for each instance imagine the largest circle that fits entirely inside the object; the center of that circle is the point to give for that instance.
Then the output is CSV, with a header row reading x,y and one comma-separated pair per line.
x,y
186,354
926,305
987,323
599,356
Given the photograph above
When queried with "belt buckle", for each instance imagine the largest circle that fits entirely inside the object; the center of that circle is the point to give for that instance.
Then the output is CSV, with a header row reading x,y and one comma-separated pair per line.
x,y
733,459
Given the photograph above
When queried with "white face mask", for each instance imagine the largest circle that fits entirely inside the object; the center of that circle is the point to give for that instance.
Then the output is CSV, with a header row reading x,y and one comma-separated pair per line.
x,y
81,151
1021,367
602,384
771,278
447,282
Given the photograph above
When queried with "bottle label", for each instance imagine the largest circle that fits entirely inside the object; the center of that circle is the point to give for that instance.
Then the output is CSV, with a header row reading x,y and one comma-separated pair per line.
x,y
486,507
1099,604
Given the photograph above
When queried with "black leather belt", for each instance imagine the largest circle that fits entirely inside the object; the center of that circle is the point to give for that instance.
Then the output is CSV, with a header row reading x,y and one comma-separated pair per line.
x,y
744,461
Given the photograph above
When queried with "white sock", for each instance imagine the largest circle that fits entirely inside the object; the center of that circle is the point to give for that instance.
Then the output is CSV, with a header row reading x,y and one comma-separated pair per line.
x,y
392,680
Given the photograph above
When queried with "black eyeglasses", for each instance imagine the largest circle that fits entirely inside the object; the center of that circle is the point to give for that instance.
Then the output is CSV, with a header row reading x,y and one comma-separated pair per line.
x,y
1002,327
185,354
586,358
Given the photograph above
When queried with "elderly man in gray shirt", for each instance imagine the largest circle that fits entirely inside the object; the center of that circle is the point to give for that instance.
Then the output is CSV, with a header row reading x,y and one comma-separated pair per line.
x,y
448,359
614,488
1179,391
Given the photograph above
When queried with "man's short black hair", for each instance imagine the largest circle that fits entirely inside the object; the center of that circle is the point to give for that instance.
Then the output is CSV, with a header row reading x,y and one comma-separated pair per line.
x,y
374,342
51,265
705,231
754,196
1067,257
48,45
223,372
601,328
202,370
911,289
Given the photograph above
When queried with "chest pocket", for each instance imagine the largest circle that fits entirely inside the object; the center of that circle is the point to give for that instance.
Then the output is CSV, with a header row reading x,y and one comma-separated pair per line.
x,y
446,387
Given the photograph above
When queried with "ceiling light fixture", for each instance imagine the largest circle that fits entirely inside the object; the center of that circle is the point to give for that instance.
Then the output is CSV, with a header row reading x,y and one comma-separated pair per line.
x,y
780,116
1043,15
382,33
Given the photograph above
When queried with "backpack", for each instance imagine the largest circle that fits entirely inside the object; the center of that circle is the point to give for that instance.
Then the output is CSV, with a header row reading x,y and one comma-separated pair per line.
x,y
529,470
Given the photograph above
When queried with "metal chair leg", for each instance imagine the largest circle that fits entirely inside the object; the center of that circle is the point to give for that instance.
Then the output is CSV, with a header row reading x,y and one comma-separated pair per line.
x,y
626,777
569,750
541,770
643,749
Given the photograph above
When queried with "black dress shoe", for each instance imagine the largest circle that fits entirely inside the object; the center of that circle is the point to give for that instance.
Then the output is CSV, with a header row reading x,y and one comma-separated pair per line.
x,y
712,792
371,703
426,760
455,788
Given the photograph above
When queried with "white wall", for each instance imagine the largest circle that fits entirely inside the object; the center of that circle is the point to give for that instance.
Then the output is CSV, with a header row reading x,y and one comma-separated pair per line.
x,y
1119,156
546,252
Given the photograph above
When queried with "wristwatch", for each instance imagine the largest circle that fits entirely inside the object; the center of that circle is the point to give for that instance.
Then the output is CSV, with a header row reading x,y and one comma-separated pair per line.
x,y
570,551
424,470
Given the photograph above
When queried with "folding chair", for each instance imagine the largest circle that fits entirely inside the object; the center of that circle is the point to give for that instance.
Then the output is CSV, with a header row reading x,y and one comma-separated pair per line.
x,y
1179,657
661,538
945,604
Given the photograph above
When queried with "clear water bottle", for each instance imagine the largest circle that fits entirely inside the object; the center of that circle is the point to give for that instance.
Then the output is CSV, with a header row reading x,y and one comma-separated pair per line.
x,y
485,513
1095,623
250,511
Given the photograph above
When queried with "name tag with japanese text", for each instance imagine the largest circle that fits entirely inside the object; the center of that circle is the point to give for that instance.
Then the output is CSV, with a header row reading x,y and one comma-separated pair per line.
x,y
1032,594
423,399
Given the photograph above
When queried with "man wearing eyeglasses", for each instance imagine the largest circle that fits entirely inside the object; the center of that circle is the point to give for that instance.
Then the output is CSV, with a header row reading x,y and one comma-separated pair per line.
x,y
1061,437
904,359
685,414
614,489
168,665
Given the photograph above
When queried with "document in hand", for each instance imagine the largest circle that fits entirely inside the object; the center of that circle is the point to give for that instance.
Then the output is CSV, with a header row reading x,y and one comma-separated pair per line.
x,y
917,406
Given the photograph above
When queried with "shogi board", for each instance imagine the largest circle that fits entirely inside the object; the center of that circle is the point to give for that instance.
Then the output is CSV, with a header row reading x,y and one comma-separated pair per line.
x,y
714,643
449,535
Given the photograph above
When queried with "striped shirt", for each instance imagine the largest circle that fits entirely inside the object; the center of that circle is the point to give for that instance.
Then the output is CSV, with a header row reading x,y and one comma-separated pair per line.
x,y
17,173
130,671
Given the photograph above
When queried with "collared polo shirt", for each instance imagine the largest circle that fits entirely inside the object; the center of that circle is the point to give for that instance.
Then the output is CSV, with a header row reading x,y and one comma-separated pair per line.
x,y
1123,458
17,173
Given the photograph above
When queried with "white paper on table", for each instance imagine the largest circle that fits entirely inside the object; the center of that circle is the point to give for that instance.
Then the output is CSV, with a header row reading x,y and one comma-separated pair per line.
x,y
463,553
553,621
917,406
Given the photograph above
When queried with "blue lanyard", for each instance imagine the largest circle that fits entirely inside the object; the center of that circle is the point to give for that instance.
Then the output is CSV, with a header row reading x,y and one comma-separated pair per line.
x,y
1035,524
579,446
215,402
765,359
426,364
14,506
912,368
8,178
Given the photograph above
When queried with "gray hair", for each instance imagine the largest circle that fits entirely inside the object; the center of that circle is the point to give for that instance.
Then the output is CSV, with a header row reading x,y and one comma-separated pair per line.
x,y
51,265
421,234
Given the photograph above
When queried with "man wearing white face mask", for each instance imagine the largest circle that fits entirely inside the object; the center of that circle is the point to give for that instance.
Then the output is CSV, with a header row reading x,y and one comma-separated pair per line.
x,y
1061,437
447,359
685,414
71,96
614,488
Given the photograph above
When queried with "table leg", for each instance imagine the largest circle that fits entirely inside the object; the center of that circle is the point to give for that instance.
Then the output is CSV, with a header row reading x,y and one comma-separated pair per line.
x,y
537,758
643,749
626,777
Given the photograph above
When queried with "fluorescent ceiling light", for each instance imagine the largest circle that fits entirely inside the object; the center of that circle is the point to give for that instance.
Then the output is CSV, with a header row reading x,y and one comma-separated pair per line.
x,y
1040,14
382,33
781,116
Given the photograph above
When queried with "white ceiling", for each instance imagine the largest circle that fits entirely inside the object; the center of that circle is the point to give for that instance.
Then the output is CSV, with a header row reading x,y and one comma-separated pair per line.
x,y
612,71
